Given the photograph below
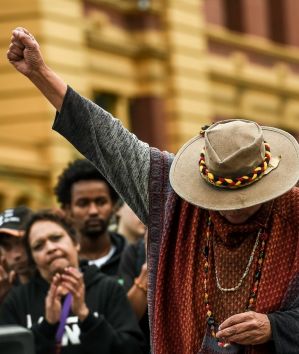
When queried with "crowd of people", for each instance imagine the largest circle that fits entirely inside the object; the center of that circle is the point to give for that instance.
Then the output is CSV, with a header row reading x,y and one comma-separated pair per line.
x,y
61,268
218,268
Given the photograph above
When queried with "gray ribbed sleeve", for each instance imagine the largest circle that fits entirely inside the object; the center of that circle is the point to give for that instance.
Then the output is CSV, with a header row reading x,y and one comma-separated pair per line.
x,y
118,154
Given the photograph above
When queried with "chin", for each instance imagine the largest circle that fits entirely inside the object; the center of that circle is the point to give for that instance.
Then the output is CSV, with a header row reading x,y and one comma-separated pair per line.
x,y
59,265
94,233
237,221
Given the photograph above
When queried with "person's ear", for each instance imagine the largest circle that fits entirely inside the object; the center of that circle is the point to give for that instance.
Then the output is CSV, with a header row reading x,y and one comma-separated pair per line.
x,y
78,247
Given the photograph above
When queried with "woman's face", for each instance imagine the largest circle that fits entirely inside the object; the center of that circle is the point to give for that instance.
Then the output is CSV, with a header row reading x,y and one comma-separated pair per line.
x,y
52,248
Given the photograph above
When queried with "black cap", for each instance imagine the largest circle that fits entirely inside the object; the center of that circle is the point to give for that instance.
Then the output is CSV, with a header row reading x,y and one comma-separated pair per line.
x,y
12,220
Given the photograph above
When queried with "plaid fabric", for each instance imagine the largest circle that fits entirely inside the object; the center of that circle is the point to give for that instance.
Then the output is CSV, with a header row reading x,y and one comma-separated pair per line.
x,y
176,263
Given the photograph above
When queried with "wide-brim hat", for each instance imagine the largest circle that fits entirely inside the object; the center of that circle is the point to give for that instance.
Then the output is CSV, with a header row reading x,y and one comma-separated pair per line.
x,y
232,149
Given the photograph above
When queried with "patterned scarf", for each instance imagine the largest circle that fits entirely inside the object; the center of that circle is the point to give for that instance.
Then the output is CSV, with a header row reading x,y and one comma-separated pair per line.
x,y
176,295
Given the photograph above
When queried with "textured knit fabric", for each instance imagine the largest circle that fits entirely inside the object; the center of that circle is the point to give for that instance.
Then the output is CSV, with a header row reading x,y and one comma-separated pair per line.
x,y
177,263
174,254
119,155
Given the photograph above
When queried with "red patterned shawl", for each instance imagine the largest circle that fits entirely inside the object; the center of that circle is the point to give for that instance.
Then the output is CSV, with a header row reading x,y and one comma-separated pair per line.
x,y
177,238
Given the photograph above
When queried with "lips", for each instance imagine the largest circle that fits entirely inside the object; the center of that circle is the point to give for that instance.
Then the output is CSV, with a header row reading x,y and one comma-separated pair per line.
x,y
94,222
54,258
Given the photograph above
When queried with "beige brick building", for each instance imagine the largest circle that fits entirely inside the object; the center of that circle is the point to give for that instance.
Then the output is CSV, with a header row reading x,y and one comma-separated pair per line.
x,y
164,67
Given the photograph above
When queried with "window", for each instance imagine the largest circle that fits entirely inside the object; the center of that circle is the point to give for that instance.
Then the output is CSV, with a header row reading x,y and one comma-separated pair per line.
x,y
277,20
234,15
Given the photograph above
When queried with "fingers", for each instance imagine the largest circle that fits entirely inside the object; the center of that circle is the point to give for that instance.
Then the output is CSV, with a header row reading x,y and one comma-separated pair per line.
x,y
15,52
72,280
3,273
73,272
53,301
235,319
20,39
12,276
234,330
246,328
17,43
55,291
234,324
23,37
52,293
72,288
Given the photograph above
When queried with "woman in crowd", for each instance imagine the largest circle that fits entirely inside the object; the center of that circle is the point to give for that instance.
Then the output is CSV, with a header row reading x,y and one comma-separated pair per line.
x,y
69,310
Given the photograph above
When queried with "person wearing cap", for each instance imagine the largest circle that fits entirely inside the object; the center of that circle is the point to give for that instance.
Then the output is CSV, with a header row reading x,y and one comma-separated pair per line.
x,y
222,215
14,267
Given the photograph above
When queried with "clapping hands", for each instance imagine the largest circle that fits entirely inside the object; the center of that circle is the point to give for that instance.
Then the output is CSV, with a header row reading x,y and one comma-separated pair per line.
x,y
70,281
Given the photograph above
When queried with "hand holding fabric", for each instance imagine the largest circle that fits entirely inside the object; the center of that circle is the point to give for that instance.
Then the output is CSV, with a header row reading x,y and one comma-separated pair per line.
x,y
248,328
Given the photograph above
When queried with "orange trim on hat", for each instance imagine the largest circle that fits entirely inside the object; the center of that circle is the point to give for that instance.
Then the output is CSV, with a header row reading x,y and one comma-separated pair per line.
x,y
239,182
11,232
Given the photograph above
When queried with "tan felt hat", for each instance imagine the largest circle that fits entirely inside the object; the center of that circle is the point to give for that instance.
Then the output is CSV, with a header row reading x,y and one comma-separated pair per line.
x,y
231,151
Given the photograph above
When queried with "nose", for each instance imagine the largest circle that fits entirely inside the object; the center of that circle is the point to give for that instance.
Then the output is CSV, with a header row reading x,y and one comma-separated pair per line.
x,y
18,252
93,209
50,246
17,255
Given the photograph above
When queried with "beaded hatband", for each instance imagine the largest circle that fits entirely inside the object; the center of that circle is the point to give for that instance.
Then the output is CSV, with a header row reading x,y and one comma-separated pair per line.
x,y
254,289
237,182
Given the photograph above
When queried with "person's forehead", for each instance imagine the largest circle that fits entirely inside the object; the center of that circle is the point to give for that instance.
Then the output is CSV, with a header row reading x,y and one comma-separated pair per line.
x,y
10,240
89,189
44,228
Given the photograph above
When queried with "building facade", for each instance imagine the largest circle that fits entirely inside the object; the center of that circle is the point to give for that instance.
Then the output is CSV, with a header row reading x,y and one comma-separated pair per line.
x,y
164,67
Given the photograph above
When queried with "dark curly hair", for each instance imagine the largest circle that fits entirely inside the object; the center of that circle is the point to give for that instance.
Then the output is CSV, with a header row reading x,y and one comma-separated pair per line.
x,y
48,215
78,170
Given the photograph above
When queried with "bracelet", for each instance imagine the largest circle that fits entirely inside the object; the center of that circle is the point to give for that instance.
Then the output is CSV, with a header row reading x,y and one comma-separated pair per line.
x,y
140,286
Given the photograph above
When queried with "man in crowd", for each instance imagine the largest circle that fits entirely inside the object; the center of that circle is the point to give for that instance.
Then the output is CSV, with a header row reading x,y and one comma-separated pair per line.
x,y
14,266
86,196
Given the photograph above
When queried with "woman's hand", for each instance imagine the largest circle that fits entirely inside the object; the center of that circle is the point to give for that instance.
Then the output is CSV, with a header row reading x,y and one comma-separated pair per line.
x,y
53,300
248,328
72,281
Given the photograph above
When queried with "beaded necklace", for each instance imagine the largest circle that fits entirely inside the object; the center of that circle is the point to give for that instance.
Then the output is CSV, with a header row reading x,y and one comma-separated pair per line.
x,y
244,275
254,289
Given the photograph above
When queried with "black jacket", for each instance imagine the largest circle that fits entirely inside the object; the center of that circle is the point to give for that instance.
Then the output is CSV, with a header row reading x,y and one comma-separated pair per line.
x,y
130,266
111,326
111,266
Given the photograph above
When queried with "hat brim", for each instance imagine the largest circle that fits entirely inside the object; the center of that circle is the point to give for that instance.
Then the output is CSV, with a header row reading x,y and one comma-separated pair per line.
x,y
187,182
11,232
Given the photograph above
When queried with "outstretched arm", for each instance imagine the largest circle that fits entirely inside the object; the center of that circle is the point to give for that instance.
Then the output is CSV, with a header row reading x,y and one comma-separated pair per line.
x,y
25,55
